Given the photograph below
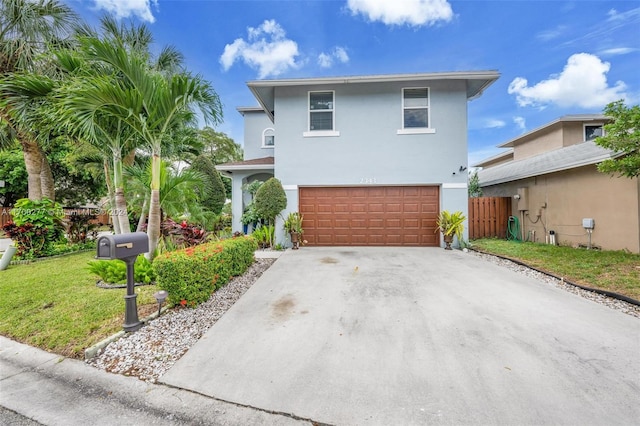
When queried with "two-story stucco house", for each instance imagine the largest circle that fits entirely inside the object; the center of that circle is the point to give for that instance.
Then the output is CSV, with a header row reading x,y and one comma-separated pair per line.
x,y
551,175
368,160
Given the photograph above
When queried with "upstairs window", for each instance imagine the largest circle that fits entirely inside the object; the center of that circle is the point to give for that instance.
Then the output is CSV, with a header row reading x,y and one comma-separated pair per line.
x,y
268,138
321,111
592,132
415,108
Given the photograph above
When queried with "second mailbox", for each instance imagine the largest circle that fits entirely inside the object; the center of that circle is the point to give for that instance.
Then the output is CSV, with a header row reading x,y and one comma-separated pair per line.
x,y
122,246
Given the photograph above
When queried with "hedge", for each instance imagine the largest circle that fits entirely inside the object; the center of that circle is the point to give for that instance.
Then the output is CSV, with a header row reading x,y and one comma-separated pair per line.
x,y
192,274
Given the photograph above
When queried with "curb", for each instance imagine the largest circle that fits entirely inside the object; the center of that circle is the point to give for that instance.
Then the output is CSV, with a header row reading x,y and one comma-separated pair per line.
x,y
611,294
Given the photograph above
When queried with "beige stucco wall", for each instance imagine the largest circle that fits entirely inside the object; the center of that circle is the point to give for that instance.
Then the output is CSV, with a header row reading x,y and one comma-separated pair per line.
x,y
570,196
548,139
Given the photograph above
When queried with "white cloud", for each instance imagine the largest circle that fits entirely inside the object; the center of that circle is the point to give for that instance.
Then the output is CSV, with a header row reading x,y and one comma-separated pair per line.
x,y
548,35
615,51
267,49
495,124
582,83
325,60
403,12
520,122
126,8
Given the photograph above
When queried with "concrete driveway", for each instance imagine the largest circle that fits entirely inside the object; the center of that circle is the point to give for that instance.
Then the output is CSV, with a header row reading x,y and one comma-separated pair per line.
x,y
383,336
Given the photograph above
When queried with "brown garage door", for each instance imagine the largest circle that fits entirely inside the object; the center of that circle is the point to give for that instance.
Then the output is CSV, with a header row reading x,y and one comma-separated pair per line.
x,y
370,216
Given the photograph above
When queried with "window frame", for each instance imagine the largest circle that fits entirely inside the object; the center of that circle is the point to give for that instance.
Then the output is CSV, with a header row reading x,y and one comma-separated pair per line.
x,y
264,135
415,130
324,132
584,130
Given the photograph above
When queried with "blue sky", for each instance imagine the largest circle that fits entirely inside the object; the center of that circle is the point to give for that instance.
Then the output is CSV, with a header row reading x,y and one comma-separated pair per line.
x,y
555,57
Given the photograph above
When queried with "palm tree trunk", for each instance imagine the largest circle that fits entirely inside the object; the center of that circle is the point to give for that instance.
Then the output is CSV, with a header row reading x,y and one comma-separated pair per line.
x,y
120,202
153,229
46,179
143,213
107,178
33,162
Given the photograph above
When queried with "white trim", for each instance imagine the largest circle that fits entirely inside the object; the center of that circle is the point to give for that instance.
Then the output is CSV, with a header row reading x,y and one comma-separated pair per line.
x,y
290,187
320,133
454,185
416,131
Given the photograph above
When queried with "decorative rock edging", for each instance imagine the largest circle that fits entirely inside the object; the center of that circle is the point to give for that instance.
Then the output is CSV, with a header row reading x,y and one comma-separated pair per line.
x,y
629,305
151,351
108,286
92,351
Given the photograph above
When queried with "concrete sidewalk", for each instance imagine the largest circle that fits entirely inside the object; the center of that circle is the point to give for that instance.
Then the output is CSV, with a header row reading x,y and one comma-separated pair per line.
x,y
413,336
53,390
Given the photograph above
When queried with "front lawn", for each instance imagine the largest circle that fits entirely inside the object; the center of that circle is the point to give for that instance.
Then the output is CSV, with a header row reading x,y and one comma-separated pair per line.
x,y
616,271
54,304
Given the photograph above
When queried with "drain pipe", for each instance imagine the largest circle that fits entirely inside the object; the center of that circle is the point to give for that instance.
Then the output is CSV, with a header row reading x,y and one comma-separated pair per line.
x,y
6,257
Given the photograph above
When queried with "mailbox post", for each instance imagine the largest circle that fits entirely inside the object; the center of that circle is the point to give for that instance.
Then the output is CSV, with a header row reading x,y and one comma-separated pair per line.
x,y
125,247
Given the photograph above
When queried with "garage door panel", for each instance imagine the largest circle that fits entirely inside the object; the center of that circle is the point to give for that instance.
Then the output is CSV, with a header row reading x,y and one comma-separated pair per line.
x,y
370,215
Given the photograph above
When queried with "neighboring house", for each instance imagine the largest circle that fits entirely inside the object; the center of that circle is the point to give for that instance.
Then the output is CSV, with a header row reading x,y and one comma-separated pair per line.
x,y
553,170
368,160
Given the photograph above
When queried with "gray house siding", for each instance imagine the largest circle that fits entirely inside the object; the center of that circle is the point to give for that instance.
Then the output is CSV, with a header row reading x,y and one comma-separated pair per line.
x,y
255,123
368,150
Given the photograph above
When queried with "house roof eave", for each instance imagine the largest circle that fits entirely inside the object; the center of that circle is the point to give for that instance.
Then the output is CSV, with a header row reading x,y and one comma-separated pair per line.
x,y
477,82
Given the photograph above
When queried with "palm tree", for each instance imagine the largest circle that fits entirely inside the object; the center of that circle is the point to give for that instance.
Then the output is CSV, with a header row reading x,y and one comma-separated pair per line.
x,y
153,103
178,189
27,29
109,133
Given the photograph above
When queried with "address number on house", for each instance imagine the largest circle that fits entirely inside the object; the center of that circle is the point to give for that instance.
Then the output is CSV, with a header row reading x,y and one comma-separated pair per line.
x,y
368,181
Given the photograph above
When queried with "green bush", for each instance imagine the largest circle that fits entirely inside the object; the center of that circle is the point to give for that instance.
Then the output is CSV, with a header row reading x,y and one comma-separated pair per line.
x,y
192,274
270,200
115,271
36,227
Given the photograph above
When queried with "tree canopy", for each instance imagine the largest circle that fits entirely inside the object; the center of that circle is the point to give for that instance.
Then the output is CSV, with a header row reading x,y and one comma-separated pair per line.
x,y
622,135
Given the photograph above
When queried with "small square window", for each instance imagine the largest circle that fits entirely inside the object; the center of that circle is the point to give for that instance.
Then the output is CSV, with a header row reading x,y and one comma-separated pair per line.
x,y
592,132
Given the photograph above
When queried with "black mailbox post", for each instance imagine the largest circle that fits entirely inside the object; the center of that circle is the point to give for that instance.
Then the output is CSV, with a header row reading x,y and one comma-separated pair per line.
x,y
125,247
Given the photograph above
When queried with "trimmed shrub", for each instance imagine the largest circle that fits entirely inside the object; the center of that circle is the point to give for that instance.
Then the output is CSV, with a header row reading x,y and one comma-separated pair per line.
x,y
192,274
270,200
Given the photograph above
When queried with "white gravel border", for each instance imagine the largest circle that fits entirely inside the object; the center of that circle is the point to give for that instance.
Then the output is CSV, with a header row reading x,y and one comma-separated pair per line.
x,y
154,349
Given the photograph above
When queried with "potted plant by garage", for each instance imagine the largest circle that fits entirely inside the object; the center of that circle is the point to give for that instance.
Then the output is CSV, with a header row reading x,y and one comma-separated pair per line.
x,y
293,226
450,224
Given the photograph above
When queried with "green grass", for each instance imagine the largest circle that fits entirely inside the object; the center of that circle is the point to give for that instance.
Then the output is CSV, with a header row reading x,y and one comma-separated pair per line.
x,y
55,305
616,271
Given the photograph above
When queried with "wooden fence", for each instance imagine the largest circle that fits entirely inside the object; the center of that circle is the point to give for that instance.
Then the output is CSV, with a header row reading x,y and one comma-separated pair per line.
x,y
488,217
102,216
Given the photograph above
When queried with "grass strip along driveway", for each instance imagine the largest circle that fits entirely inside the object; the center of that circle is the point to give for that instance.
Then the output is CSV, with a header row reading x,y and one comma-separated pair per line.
x,y
616,271
55,305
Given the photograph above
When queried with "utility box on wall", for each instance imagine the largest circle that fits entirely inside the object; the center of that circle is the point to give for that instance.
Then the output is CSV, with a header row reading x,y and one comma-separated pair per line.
x,y
523,199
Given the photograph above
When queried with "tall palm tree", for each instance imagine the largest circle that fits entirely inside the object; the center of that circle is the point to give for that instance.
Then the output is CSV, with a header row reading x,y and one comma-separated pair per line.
x,y
27,29
110,133
153,103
